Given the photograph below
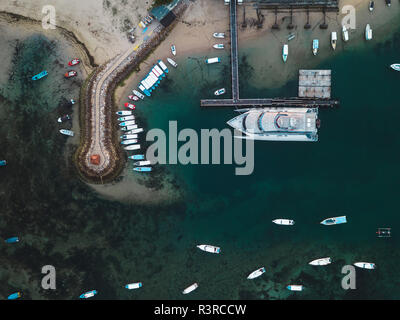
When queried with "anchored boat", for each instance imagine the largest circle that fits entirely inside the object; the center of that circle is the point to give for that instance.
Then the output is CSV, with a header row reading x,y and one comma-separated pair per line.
x,y
129,106
334,220
384,232
172,62
129,128
70,74
126,118
12,240
295,287
285,52
142,169
333,39
368,32
132,97
277,124
219,35
127,123
132,147
191,288
218,46
142,163
3,163
173,50
291,36
136,130
137,157
74,62
345,34
256,274
129,141
213,60
64,118
123,113
67,132
40,75
88,294
209,248
315,45
14,296
219,92
365,265
371,6
388,2
138,94
129,136
321,262
285,222
395,66
135,285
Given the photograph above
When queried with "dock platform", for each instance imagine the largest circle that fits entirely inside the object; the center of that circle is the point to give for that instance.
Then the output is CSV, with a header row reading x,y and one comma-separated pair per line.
x,y
315,84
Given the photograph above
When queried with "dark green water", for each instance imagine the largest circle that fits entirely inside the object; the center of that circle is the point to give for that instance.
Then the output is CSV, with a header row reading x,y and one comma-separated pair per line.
x,y
102,245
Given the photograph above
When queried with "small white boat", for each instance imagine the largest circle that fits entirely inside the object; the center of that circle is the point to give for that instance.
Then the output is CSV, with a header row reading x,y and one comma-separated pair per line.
x,y
172,62
129,128
218,46
142,163
213,60
129,136
371,6
256,274
136,157
129,141
138,94
321,262
285,52
67,132
133,147
315,45
295,287
395,66
173,50
219,91
345,33
284,222
134,131
333,39
388,2
208,248
127,123
334,220
365,265
219,35
135,285
126,118
124,113
368,32
191,288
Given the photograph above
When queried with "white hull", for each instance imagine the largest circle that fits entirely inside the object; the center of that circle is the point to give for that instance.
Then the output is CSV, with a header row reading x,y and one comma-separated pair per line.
x,y
208,248
172,62
219,35
136,285
142,163
129,128
256,274
191,288
284,222
129,141
124,113
134,131
365,265
67,132
320,262
295,287
129,136
133,147
345,34
368,32
395,66
333,40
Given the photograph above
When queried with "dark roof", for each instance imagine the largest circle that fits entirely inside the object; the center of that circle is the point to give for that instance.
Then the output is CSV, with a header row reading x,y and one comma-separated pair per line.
x,y
168,19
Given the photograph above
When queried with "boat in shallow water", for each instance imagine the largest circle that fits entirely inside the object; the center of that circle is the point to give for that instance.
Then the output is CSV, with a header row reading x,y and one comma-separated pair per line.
x,y
315,46
334,220
191,288
173,50
320,262
219,92
14,296
40,75
219,35
395,66
132,147
127,123
74,62
138,94
129,128
133,97
135,285
371,6
209,248
345,34
88,294
218,46
129,106
365,265
295,287
126,118
142,163
124,113
284,222
333,39
142,169
285,52
134,131
368,32
70,74
388,2
12,240
172,62
137,157
213,60
277,124
256,273
67,132
129,141
129,136
3,163
64,118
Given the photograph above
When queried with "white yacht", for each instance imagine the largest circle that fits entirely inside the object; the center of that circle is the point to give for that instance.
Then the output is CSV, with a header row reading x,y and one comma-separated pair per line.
x,y
277,124
256,274
345,33
219,35
365,265
208,248
368,32
284,222
321,262
135,285
295,287
173,50
172,62
67,132
333,39
191,288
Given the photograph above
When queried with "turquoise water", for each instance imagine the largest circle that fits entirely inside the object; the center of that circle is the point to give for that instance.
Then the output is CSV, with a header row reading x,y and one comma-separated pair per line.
x,y
102,245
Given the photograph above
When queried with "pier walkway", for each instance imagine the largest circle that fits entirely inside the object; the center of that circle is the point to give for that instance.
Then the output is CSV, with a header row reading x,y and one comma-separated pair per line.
x,y
234,52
